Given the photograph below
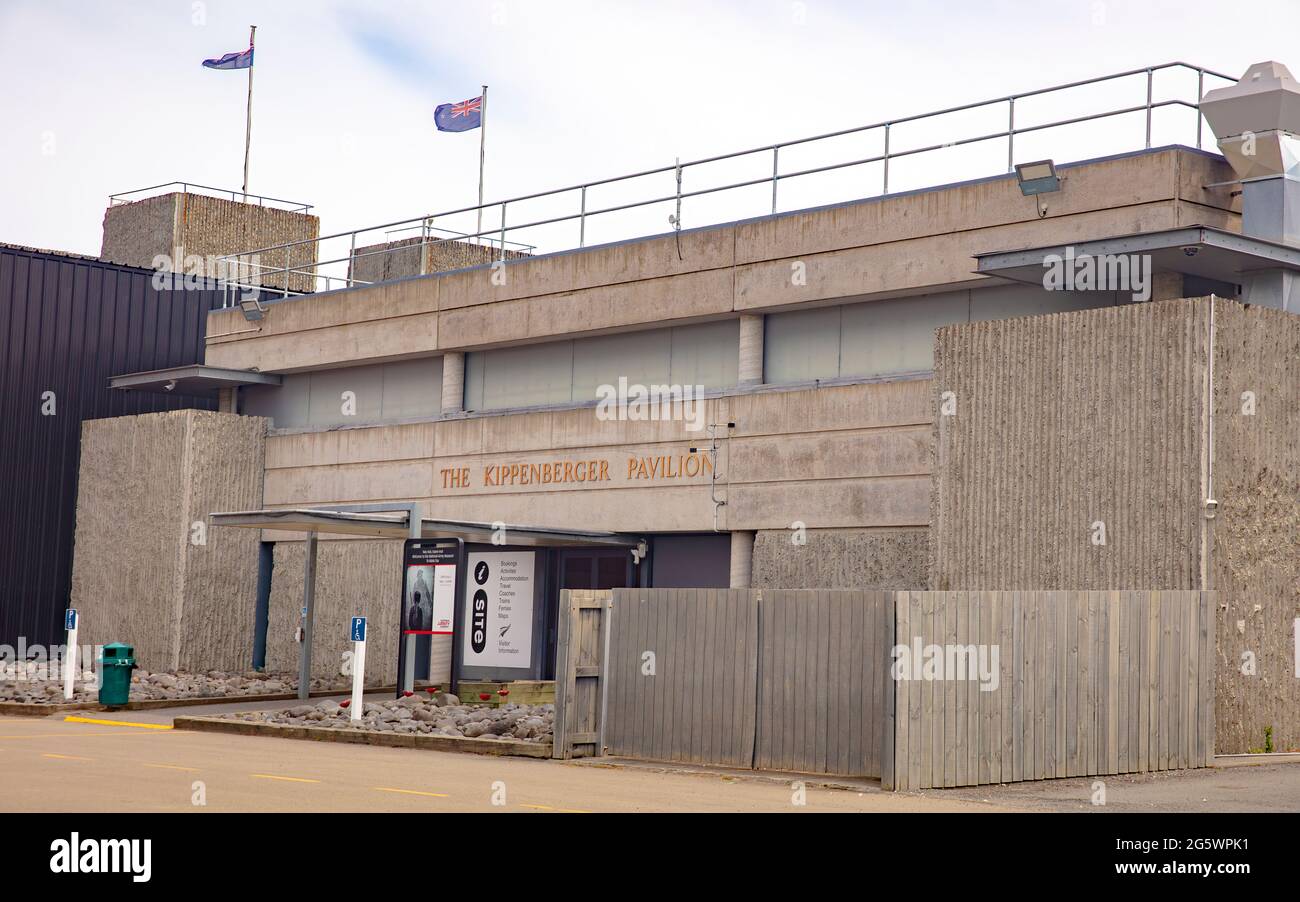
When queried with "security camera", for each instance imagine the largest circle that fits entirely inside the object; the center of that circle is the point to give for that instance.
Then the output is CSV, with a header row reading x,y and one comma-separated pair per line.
x,y
171,384
1191,250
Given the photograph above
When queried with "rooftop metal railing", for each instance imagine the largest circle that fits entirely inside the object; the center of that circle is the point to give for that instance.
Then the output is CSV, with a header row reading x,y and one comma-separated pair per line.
x,y
130,197
309,259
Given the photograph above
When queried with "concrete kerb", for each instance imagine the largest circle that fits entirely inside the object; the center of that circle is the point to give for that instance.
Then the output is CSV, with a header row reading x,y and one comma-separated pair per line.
x,y
779,778
23,709
475,746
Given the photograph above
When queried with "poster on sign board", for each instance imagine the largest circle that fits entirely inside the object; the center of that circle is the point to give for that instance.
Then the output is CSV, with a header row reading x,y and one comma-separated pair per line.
x,y
498,607
429,587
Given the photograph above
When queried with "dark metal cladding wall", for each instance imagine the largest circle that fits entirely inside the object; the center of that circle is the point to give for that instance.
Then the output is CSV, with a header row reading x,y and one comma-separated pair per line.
x,y
66,325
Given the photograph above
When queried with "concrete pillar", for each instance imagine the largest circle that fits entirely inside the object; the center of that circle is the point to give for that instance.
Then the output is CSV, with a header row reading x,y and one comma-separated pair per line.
x,y
453,382
1165,286
751,349
226,400
742,559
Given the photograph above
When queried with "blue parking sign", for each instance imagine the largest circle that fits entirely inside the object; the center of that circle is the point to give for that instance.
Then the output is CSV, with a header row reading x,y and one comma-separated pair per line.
x,y
70,619
358,629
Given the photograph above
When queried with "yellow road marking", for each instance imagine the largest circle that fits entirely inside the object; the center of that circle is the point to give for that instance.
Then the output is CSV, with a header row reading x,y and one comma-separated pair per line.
x,y
100,733
288,779
118,723
173,767
66,757
411,792
559,810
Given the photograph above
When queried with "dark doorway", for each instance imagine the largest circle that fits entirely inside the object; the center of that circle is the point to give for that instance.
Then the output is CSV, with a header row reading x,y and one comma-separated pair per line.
x,y
595,568
691,561
583,568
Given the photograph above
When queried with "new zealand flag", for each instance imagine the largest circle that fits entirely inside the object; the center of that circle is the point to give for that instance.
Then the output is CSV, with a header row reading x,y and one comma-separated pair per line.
x,y
459,117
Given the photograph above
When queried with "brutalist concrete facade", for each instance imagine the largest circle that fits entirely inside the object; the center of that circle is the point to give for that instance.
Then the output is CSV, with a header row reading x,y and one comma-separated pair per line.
x,y
1078,451
181,225
147,570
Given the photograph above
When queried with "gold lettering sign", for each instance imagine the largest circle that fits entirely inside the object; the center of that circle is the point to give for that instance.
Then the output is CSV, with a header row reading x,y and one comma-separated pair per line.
x,y
649,468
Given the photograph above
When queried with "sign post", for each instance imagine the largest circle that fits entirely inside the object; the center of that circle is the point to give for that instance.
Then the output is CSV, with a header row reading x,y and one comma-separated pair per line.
x,y
358,665
70,651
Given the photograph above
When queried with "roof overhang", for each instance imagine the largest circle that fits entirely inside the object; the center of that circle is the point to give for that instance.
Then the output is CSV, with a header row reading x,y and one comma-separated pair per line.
x,y
388,526
396,526
1200,251
195,379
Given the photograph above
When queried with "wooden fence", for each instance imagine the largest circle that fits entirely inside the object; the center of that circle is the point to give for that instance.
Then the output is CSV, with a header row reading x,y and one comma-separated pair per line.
x,y
683,671
1088,683
922,689
823,681
581,649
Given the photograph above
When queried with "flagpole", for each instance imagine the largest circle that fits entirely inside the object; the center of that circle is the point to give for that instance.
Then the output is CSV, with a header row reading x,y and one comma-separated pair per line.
x,y
482,152
248,125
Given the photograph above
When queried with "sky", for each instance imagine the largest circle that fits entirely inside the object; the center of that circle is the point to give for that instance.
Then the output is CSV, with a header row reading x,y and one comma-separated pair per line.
x,y
106,96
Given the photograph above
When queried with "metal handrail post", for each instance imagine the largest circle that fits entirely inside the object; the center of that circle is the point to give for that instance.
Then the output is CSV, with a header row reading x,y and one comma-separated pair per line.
x,y
677,216
352,259
582,218
1200,92
285,288
775,153
1150,81
886,186
1011,134
503,231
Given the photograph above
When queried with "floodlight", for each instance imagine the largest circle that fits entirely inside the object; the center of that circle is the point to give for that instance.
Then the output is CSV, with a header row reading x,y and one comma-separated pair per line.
x,y
1038,177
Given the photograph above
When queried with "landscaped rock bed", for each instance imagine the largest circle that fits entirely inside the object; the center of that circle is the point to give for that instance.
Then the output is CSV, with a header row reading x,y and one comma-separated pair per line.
x,y
172,684
439,714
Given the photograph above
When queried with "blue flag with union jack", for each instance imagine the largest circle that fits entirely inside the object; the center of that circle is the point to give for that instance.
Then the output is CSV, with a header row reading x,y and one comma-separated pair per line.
x,y
459,117
240,59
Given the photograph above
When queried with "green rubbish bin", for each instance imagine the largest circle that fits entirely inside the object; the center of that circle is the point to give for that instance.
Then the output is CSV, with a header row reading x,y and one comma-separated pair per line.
x,y
116,665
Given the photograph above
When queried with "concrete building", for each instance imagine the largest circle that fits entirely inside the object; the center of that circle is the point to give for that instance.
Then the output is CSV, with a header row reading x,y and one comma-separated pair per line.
x,y
819,454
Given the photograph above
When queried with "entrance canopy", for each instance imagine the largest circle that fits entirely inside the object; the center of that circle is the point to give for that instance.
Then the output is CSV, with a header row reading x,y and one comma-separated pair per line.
x,y
1200,251
398,520
397,525
195,379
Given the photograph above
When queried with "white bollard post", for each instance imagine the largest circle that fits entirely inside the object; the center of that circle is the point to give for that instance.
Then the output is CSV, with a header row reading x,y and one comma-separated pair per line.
x,y
70,654
358,666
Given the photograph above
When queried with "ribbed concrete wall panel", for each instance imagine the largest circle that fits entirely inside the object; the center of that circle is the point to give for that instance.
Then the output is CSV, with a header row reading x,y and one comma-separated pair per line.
x,y
225,466
1256,551
1104,415
1062,422
138,576
130,533
354,578
842,559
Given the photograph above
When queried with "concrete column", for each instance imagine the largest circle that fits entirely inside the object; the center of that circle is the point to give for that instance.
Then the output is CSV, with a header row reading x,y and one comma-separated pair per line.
x,y
751,349
742,559
453,382
226,400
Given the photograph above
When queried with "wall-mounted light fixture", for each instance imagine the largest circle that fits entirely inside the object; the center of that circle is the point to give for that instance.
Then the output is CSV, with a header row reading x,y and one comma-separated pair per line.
x,y
253,308
1037,178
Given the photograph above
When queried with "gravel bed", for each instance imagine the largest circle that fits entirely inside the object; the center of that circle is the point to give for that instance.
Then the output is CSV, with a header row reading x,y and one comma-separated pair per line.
x,y
170,684
439,714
